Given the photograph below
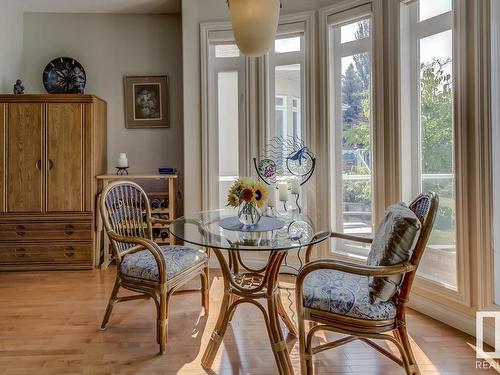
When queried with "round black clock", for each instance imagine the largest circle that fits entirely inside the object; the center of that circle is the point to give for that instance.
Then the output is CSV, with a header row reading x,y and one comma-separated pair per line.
x,y
64,75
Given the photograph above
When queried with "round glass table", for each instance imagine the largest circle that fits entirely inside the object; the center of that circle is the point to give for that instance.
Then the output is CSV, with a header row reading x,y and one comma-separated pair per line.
x,y
220,232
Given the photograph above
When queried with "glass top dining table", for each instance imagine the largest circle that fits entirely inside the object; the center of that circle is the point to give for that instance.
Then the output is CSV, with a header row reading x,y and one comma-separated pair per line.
x,y
219,231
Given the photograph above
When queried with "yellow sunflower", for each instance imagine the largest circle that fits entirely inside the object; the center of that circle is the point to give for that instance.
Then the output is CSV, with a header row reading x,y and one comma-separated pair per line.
x,y
260,194
233,200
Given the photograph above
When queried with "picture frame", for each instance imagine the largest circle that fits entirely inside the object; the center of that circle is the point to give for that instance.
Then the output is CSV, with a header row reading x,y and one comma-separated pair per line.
x,y
146,101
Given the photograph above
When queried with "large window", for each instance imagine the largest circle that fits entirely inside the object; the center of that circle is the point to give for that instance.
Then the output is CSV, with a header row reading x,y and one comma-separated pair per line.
x,y
350,128
428,126
226,120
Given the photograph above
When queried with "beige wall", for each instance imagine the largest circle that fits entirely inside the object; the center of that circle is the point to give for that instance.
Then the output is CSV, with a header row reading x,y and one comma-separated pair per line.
x,y
11,36
110,46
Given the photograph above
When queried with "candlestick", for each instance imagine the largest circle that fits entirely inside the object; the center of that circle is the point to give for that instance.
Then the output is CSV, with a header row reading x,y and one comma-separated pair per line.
x,y
283,192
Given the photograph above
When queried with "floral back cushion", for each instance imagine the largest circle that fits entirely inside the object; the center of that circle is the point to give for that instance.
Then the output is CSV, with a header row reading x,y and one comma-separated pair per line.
x,y
394,242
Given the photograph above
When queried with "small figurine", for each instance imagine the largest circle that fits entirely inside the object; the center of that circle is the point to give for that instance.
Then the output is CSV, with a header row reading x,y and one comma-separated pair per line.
x,y
18,87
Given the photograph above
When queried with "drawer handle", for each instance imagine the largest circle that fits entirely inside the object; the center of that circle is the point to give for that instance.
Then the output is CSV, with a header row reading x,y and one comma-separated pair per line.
x,y
51,164
69,230
39,165
20,253
20,230
69,252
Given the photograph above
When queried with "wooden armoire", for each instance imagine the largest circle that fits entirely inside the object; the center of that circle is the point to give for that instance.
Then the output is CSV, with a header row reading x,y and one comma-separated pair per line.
x,y
51,149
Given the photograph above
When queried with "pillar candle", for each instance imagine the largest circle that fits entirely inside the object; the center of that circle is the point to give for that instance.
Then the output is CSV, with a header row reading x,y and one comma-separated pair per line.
x,y
283,192
122,161
271,196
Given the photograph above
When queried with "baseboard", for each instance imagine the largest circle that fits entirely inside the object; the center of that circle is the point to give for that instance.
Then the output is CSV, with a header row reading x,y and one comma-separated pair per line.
x,y
456,319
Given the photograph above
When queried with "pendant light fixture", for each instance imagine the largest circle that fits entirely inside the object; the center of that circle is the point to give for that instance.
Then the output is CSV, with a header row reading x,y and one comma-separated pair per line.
x,y
255,23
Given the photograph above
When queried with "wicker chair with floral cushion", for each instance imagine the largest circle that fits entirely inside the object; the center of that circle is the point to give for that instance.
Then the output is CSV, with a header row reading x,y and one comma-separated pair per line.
x,y
367,302
142,265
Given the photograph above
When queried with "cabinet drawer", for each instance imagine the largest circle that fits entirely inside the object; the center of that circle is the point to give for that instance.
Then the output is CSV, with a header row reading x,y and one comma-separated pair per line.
x,y
45,254
81,231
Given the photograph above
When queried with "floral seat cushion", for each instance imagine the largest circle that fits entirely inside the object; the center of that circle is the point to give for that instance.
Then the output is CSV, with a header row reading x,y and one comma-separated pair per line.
x,y
345,294
177,258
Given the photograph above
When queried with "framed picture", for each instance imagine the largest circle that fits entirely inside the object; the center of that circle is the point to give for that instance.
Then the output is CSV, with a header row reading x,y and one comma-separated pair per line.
x,y
146,102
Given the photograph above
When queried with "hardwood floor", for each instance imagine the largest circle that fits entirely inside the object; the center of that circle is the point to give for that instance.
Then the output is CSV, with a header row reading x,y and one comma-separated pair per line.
x,y
49,324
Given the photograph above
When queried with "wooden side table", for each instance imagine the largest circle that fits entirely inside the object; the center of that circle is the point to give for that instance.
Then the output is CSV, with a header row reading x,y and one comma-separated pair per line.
x,y
168,193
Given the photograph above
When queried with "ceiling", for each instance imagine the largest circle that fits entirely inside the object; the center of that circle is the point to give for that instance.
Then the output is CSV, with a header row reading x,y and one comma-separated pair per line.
x,y
101,6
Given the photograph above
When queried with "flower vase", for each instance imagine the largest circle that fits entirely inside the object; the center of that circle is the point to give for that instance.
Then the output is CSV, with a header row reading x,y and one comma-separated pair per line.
x,y
248,214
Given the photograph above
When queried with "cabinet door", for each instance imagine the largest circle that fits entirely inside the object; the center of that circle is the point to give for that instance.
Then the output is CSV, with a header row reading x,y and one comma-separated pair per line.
x,y
24,157
64,157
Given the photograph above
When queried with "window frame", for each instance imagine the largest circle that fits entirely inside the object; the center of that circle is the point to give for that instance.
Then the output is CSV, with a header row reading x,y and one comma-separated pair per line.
x,y
210,35
339,51
291,25
426,287
340,14
286,28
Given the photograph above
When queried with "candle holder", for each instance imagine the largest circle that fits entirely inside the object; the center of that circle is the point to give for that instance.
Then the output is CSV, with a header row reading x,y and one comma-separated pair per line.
x,y
122,171
297,196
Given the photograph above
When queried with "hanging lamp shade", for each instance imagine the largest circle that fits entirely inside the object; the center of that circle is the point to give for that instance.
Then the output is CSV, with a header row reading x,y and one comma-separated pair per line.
x,y
254,24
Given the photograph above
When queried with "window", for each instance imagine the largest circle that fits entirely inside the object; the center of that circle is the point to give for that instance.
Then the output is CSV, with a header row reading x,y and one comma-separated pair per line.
x,y
226,50
432,8
350,128
286,67
281,124
285,45
225,156
428,127
228,108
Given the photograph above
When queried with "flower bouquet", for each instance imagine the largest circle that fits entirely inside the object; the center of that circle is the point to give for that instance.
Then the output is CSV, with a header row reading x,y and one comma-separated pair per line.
x,y
249,197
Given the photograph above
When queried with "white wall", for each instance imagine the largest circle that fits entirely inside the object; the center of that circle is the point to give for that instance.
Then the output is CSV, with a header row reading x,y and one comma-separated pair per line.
x,y
195,12
11,36
110,46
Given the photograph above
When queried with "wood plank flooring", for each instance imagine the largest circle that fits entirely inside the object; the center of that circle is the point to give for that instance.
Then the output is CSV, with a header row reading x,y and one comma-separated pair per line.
x,y
49,324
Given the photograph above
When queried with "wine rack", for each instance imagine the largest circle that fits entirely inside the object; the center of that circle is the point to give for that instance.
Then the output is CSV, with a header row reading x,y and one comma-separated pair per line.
x,y
162,206
160,209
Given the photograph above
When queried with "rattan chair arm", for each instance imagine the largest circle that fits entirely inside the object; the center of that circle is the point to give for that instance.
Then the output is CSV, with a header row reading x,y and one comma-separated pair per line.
x,y
350,237
156,220
147,244
131,250
311,247
353,268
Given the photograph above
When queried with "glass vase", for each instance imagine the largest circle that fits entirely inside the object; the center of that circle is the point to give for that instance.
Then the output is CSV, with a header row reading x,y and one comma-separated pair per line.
x,y
248,214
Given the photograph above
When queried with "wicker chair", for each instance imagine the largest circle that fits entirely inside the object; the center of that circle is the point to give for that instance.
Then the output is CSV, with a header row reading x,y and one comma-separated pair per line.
x,y
378,320
142,265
